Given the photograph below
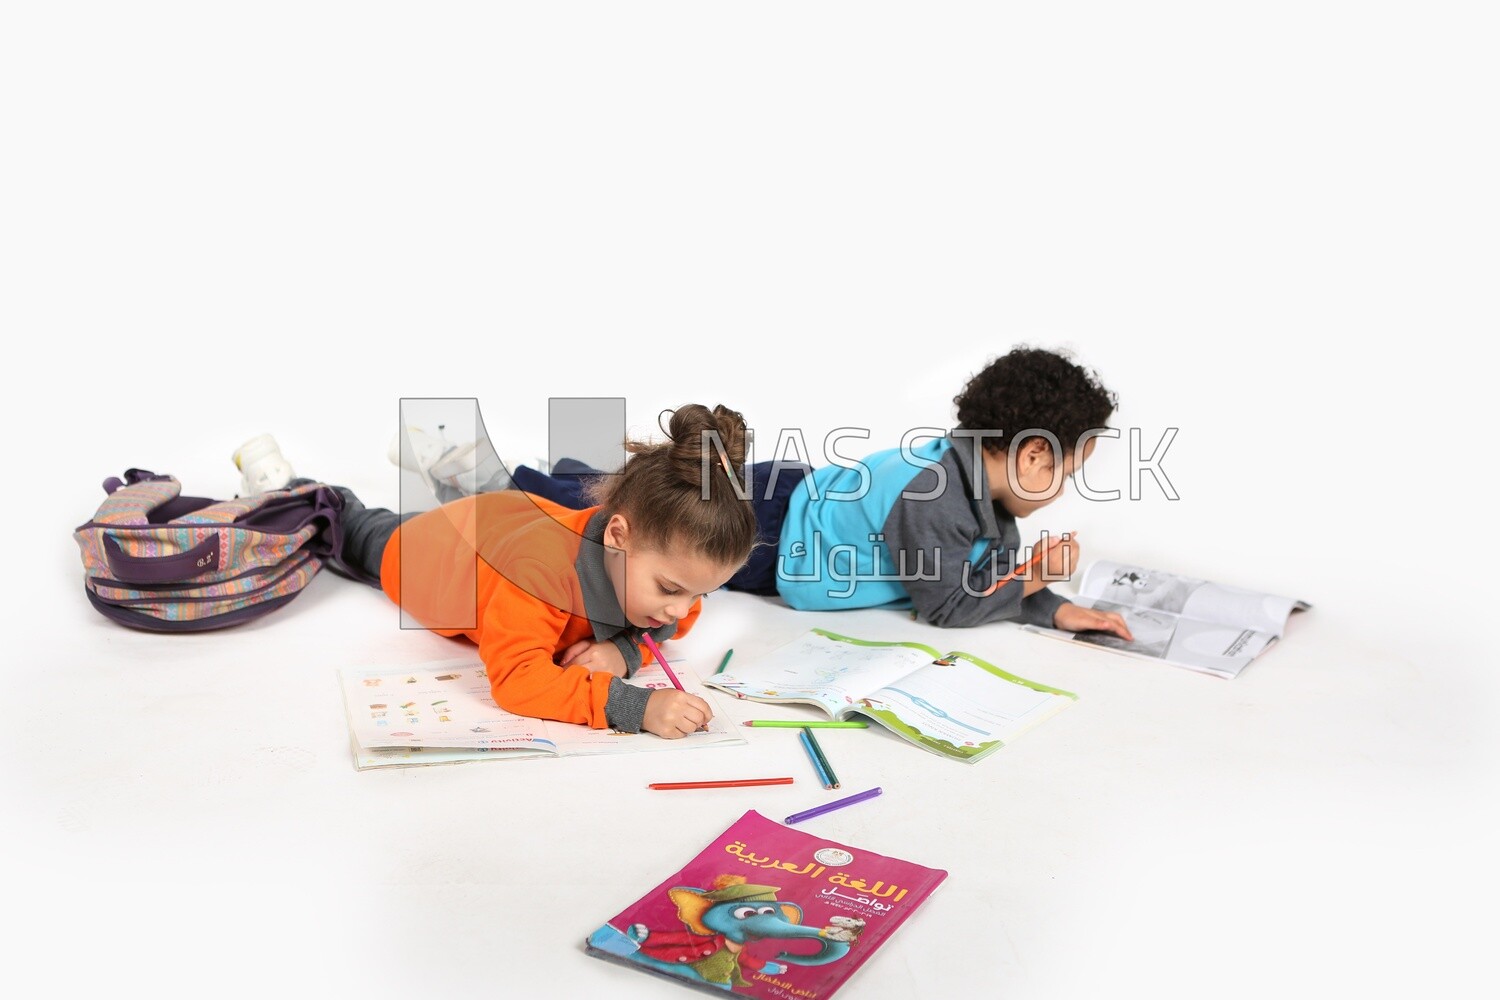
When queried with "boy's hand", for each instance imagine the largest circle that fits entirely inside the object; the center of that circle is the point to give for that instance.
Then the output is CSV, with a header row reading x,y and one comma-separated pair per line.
x,y
1061,560
595,656
674,714
1075,618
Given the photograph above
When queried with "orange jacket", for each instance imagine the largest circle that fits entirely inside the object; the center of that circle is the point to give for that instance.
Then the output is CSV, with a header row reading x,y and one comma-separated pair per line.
x,y
524,579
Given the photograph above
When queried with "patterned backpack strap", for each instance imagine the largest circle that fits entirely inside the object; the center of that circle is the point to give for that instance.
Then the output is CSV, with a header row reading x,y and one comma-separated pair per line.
x,y
131,500
132,476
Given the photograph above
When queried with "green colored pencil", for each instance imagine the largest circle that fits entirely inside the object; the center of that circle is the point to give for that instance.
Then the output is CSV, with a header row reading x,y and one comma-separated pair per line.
x,y
817,760
787,724
724,662
812,743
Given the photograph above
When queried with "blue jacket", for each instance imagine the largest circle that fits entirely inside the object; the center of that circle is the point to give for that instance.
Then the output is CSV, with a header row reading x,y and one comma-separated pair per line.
x,y
918,527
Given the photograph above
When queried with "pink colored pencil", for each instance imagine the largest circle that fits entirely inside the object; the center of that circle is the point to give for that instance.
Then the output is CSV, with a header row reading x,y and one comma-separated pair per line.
x,y
656,652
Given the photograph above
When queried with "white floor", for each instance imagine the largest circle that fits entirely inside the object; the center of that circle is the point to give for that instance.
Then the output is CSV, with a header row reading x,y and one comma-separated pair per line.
x,y
1271,230
191,808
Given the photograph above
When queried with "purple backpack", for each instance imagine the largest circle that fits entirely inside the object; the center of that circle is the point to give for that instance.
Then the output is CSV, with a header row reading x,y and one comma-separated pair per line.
x,y
156,560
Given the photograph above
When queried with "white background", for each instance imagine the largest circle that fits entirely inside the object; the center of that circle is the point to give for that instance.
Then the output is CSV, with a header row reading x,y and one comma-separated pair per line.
x,y
1271,226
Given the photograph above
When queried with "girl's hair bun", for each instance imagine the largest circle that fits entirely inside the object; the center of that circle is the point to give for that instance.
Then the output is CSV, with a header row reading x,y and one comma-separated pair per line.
x,y
707,445
691,487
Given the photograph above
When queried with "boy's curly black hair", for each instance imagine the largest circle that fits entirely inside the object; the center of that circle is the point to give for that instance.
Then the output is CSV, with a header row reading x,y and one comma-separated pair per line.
x,y
1032,388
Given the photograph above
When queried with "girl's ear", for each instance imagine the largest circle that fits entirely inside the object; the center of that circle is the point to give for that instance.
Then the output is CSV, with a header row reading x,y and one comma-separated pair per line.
x,y
617,532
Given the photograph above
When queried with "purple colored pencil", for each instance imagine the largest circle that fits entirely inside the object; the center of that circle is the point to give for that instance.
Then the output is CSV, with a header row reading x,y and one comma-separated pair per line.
x,y
847,800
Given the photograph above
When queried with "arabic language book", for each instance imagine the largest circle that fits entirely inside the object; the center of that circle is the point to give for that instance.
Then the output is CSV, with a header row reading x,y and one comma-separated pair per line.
x,y
1181,620
953,704
441,712
767,911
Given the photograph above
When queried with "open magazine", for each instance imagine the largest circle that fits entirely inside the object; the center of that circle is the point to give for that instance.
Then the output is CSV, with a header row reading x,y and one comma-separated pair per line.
x,y
953,704
441,712
767,911
1180,620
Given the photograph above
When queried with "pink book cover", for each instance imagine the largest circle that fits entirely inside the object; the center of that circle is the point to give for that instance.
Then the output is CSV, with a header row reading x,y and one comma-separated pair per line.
x,y
767,911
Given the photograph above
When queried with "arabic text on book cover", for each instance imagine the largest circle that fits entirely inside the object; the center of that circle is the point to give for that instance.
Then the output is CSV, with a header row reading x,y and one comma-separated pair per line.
x,y
768,911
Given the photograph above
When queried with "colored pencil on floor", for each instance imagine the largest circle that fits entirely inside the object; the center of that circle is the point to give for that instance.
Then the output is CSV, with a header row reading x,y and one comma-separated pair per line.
x,y
729,783
817,764
847,800
788,724
817,748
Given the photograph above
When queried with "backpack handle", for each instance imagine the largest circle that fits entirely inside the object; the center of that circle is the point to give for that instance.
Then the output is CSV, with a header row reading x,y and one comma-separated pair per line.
x,y
132,476
202,558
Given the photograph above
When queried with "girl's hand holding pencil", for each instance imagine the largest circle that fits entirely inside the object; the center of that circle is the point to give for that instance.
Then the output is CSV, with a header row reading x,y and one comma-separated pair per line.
x,y
675,714
672,714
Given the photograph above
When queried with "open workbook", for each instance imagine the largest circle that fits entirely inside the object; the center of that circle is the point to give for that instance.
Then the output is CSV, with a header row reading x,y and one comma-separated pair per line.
x,y
441,712
953,704
768,911
1181,620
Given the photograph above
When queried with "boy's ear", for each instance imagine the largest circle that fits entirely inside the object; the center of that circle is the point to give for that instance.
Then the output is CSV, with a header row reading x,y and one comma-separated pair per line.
x,y
1034,451
617,532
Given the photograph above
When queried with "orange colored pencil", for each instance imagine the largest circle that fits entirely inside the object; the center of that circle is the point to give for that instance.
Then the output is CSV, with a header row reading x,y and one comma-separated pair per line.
x,y
1031,563
732,783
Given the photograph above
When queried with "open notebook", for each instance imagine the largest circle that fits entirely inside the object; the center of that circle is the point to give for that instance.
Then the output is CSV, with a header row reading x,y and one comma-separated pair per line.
x,y
1198,624
441,712
952,704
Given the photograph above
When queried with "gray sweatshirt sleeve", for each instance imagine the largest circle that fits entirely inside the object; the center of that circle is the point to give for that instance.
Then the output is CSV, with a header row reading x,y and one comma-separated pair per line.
x,y
626,643
625,708
1039,608
940,534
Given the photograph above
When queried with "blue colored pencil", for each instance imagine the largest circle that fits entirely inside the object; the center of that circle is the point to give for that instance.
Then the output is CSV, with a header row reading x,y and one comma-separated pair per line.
x,y
817,764
817,749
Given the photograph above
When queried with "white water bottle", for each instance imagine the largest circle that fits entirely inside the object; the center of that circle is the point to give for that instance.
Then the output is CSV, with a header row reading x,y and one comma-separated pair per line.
x,y
262,468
